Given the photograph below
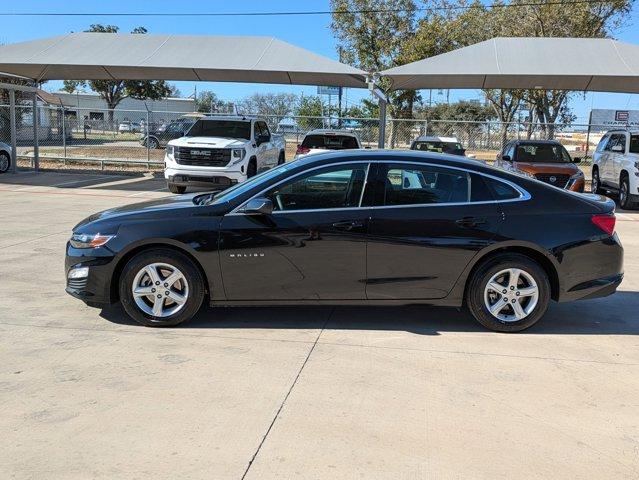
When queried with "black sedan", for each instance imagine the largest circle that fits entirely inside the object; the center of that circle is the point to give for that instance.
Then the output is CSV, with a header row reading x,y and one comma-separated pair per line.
x,y
354,227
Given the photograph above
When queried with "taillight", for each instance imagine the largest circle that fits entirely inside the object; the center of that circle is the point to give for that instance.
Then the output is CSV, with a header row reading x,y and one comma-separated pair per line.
x,y
605,222
302,150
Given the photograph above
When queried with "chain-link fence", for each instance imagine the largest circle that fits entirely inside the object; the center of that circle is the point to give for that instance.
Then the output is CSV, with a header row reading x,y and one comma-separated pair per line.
x,y
135,139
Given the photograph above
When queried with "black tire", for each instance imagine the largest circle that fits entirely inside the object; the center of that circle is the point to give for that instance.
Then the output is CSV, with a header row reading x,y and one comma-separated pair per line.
x,y
251,169
281,159
483,274
178,260
595,184
624,193
153,143
5,162
179,189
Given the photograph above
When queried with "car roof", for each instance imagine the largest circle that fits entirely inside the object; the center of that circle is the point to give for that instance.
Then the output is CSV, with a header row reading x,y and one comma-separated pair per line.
x,y
435,138
631,131
537,142
345,156
235,118
331,131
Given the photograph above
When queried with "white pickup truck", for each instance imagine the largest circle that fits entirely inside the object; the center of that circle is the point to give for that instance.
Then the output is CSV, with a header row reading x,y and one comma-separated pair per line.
x,y
221,151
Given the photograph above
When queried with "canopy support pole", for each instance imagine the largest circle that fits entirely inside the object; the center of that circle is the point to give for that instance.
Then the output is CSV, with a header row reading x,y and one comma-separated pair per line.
x,y
36,146
382,102
12,126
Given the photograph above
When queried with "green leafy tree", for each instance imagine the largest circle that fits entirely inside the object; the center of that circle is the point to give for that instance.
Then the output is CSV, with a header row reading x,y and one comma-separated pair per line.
x,y
276,106
114,91
208,102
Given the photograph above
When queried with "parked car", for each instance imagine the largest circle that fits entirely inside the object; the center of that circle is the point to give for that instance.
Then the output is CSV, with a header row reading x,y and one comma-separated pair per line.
x,y
345,227
128,127
545,160
159,137
616,166
221,151
5,157
429,143
323,140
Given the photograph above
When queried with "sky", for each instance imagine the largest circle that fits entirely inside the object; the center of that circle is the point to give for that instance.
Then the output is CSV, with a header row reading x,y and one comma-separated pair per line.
x,y
310,32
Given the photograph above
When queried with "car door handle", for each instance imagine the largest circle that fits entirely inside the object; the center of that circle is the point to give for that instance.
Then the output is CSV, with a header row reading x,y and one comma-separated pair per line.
x,y
471,221
348,225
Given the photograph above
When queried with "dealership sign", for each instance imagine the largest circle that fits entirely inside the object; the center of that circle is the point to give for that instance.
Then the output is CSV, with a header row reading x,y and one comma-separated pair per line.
x,y
614,118
328,90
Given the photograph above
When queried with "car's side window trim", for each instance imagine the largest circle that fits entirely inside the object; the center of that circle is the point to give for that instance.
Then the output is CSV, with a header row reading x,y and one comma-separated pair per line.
x,y
523,194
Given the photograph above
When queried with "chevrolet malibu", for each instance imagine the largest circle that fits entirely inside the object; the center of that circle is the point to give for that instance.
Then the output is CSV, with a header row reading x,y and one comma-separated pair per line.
x,y
354,227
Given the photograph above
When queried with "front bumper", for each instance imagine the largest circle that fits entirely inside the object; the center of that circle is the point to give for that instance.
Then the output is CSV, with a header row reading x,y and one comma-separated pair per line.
x,y
202,177
95,288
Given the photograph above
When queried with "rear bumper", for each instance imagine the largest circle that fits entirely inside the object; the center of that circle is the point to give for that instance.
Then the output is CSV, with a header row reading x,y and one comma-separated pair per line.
x,y
602,287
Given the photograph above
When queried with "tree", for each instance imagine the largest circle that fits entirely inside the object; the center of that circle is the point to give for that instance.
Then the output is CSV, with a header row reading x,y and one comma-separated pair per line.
x,y
114,91
371,35
277,106
208,102
311,110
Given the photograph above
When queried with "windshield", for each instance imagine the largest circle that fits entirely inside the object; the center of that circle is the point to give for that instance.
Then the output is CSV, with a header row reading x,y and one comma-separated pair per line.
x,y
241,188
330,142
542,153
439,147
221,128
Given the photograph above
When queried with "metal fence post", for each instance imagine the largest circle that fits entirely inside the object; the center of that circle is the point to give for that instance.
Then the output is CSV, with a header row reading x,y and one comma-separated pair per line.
x,y
64,133
36,147
12,126
147,133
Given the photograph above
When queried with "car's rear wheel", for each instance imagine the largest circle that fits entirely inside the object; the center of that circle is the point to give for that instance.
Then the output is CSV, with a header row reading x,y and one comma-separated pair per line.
x,y
161,288
625,201
153,143
508,293
179,189
5,162
596,182
281,159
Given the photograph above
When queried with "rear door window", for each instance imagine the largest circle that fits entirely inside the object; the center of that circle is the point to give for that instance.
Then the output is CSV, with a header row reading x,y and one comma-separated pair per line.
x,y
407,184
634,144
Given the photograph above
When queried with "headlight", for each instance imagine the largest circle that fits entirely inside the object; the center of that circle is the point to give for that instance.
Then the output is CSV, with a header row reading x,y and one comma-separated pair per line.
x,y
237,155
89,241
577,175
523,173
169,150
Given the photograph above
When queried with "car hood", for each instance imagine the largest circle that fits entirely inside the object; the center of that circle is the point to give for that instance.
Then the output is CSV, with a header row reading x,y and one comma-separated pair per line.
x,y
209,142
111,218
550,168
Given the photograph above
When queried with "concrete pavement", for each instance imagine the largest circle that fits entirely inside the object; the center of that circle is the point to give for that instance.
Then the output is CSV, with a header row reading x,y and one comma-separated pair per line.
x,y
297,392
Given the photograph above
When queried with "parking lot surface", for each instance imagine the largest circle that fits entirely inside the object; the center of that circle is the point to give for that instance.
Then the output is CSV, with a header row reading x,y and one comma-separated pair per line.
x,y
297,392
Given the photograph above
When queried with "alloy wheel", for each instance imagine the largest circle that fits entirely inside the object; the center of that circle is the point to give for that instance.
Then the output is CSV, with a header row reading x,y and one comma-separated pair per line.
x,y
4,162
623,193
511,295
595,182
160,290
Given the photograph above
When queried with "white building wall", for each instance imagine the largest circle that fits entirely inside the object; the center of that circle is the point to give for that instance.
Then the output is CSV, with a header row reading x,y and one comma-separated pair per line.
x,y
129,109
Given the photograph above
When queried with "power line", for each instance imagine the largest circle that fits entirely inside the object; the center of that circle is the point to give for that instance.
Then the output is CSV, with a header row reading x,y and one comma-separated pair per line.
x,y
296,13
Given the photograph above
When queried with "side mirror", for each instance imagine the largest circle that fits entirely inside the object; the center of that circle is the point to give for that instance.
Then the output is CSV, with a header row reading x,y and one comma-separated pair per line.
x,y
576,160
259,206
506,158
262,139
617,148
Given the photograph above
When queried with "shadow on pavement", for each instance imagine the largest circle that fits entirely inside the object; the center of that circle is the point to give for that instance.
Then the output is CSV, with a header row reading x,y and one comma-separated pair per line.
x,y
615,315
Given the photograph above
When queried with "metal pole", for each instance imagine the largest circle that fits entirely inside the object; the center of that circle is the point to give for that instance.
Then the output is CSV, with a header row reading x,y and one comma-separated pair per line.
x,y
64,131
148,132
36,147
588,136
12,124
382,123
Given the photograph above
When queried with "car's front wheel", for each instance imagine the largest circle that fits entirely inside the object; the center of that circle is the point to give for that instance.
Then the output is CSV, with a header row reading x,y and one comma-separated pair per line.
x,y
5,162
161,288
596,182
179,189
508,293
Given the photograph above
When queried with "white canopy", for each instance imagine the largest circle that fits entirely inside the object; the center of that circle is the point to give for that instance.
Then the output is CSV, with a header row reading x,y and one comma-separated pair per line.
x,y
105,56
585,64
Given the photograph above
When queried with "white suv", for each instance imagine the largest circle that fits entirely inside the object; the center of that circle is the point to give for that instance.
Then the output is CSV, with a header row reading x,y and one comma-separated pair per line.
x,y
322,140
616,166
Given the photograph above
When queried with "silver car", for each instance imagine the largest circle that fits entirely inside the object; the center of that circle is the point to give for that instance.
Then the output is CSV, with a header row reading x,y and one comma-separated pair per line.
x,y
5,157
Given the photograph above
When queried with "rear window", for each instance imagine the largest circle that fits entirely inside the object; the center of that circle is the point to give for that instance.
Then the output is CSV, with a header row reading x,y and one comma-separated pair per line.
x,y
439,147
501,190
634,144
221,128
330,142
